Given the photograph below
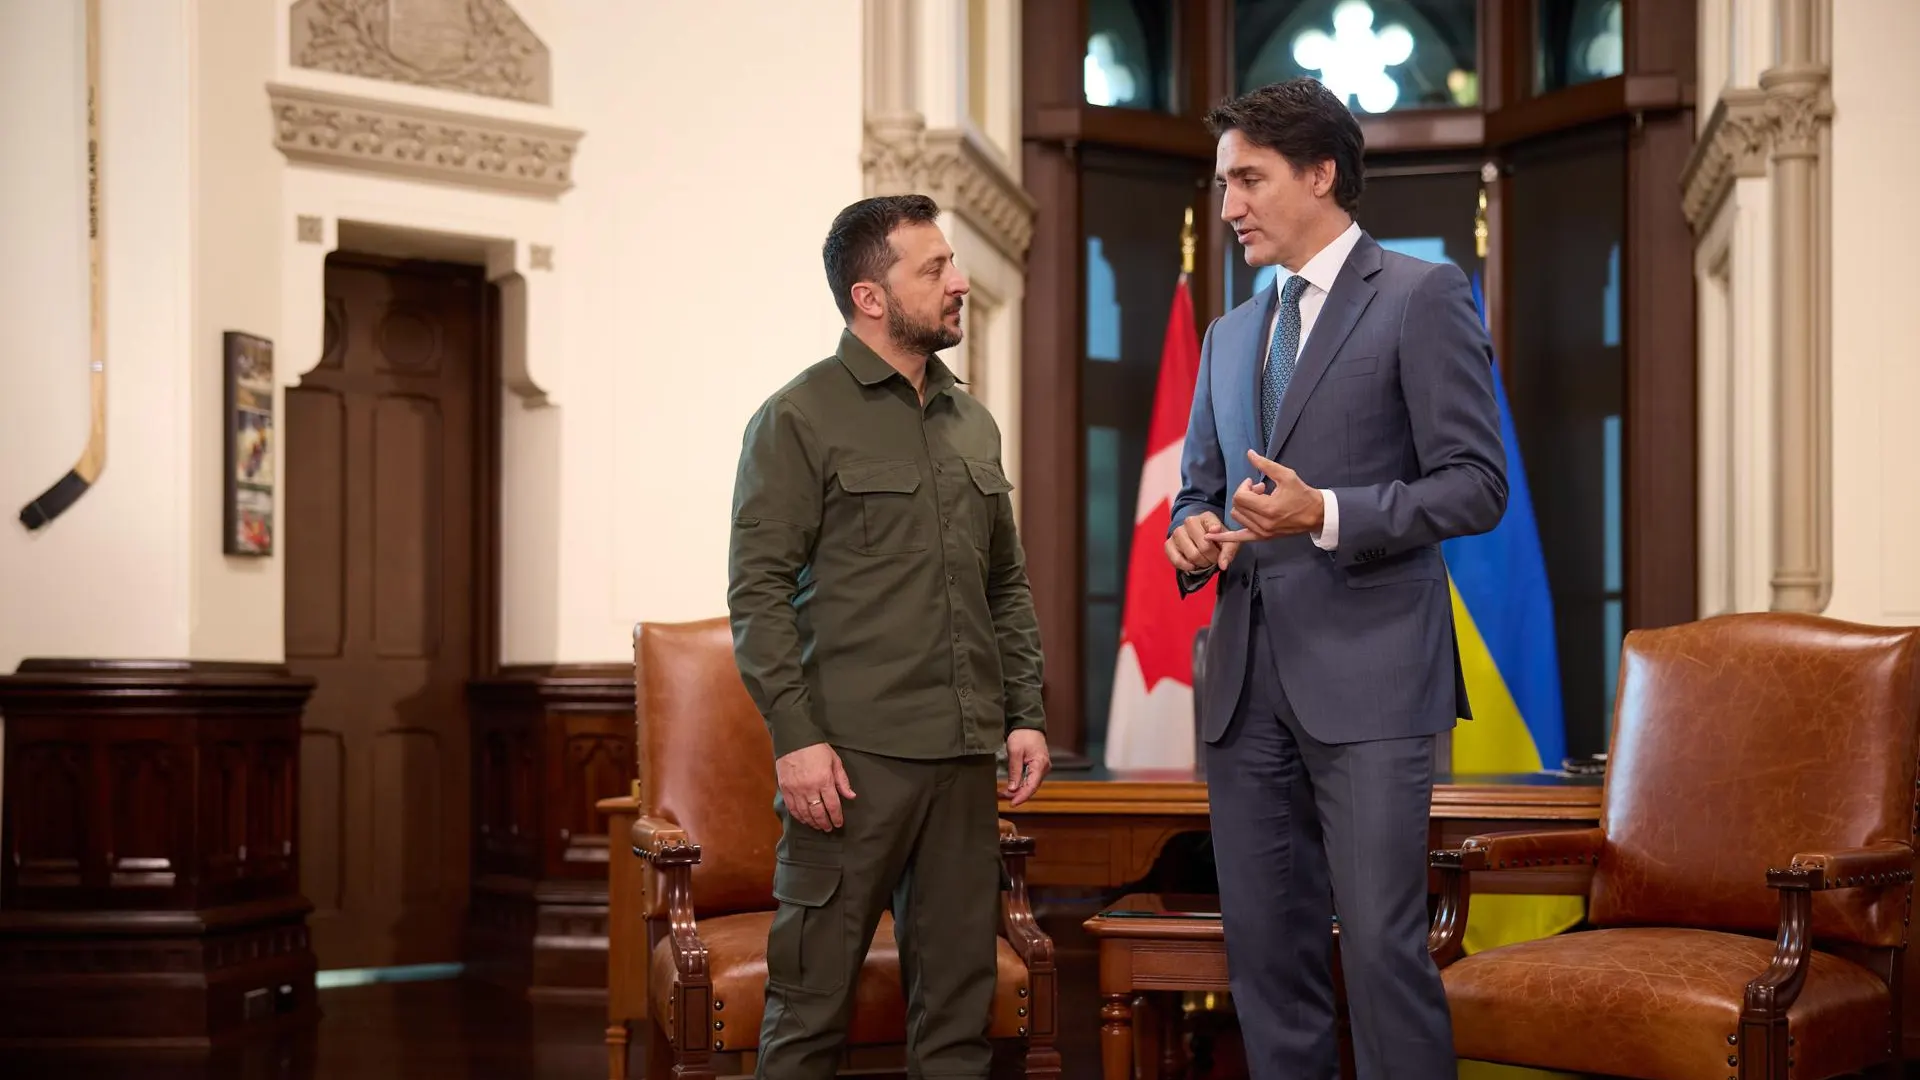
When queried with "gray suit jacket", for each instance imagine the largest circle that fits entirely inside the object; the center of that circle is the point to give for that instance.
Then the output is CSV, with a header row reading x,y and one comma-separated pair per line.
x,y
1391,407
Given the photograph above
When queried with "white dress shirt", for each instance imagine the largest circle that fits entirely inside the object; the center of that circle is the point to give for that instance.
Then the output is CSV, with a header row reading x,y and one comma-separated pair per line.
x,y
1319,272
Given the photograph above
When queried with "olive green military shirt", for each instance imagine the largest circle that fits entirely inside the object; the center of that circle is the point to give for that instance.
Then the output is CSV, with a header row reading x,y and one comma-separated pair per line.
x,y
878,592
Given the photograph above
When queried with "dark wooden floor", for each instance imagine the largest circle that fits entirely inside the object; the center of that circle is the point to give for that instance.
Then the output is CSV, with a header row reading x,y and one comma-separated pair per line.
x,y
445,1030
455,1030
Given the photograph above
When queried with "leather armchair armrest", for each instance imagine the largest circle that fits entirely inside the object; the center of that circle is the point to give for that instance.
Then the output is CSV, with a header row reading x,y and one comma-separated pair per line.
x,y
1022,931
1523,850
1017,922
1846,868
663,843
1770,995
1012,843
1497,851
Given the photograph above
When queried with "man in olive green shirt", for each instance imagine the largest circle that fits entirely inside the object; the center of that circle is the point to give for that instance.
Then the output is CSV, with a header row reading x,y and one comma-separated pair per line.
x,y
883,624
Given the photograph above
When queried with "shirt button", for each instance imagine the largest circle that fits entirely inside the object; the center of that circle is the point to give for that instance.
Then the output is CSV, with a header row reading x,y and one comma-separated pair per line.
x,y
949,579
946,523
966,693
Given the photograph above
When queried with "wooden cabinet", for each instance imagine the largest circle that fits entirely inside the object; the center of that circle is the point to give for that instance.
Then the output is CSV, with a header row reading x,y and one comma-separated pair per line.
x,y
548,744
150,892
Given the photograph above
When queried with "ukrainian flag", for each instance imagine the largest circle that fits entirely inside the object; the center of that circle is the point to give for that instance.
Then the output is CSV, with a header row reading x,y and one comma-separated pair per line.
x,y
1503,622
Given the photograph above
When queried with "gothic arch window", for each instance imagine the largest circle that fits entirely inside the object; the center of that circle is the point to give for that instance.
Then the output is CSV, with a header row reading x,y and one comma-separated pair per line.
x,y
1381,55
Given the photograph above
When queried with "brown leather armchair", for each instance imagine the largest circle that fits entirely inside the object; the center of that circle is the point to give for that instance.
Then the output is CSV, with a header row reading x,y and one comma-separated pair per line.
x,y
708,829
1752,870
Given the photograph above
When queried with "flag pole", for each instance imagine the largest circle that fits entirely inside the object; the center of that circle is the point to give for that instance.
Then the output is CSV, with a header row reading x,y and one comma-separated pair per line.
x,y
1186,245
1150,709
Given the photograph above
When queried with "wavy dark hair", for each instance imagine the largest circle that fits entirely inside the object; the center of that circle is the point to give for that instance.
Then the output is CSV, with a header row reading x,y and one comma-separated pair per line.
x,y
1302,121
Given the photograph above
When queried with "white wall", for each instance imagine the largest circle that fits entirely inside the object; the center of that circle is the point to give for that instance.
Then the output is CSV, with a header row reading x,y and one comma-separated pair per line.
x,y
238,230
1876,352
724,136
112,576
1873,164
686,286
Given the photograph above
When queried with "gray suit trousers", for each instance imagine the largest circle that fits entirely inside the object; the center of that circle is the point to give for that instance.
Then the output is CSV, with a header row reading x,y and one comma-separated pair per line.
x,y
1303,829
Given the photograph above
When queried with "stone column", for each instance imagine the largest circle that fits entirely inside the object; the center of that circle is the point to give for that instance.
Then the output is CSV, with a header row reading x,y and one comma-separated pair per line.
x,y
893,114
1797,109
950,163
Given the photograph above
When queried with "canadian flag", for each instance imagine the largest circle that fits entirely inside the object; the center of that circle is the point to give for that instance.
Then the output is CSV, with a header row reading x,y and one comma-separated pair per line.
x,y
1150,717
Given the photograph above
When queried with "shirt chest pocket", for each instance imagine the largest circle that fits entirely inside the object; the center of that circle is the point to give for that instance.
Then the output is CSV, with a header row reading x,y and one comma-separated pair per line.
x,y
989,483
886,496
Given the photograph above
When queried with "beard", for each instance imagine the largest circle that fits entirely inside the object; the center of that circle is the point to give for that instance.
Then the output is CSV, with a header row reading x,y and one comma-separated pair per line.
x,y
917,335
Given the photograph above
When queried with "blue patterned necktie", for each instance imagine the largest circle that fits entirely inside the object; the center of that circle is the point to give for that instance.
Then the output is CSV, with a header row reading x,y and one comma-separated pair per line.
x,y
1282,353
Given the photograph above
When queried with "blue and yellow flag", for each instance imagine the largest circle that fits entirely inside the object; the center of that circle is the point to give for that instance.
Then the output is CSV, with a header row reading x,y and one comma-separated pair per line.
x,y
1503,621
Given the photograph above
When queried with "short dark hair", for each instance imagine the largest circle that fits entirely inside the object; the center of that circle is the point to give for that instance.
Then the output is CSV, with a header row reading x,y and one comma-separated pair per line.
x,y
1302,121
857,248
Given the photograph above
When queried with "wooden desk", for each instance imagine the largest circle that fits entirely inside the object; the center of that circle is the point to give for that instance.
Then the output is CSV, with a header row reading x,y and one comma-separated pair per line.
x,y
1098,833
1095,829
1102,830
1152,949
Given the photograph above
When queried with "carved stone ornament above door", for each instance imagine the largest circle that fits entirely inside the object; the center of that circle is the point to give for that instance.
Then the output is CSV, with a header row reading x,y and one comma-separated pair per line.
x,y
475,46
412,141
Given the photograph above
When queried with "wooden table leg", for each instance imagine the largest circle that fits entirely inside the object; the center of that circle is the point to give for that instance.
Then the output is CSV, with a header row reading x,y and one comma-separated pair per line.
x,y
1173,1042
1116,1038
1146,1036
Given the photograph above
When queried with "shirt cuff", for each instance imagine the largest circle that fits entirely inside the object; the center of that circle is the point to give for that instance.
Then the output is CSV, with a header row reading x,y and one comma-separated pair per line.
x,y
1328,538
793,729
1027,723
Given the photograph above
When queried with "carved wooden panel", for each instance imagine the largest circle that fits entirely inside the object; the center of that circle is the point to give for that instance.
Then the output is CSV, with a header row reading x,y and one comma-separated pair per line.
x,y
49,845
148,837
506,833
223,814
592,761
275,803
151,788
156,807
551,743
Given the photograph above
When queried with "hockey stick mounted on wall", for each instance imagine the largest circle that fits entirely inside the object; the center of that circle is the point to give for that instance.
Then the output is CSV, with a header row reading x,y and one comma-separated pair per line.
x,y
68,489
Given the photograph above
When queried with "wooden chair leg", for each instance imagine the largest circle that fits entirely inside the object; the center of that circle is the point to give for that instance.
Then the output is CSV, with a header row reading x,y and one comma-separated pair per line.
x,y
617,1035
660,1057
1762,1050
1173,1038
1042,1060
690,1065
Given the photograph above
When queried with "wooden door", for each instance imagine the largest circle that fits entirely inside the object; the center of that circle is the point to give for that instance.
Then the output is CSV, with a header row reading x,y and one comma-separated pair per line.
x,y
381,537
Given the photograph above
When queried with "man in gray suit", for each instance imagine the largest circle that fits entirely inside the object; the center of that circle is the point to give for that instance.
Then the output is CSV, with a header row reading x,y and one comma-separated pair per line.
x,y
1343,426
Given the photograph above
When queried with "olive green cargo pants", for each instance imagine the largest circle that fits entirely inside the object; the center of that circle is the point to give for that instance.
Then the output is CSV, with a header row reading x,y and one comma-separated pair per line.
x,y
920,838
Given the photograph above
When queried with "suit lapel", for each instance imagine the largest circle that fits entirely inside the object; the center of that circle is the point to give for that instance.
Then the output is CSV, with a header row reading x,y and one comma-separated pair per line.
x,y
1349,298
1253,354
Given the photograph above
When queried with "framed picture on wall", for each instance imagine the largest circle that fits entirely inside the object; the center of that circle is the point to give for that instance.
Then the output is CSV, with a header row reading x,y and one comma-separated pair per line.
x,y
248,487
